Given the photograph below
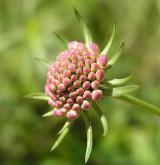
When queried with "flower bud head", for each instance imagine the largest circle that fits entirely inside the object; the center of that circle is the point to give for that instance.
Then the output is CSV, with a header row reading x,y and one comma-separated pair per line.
x,y
73,79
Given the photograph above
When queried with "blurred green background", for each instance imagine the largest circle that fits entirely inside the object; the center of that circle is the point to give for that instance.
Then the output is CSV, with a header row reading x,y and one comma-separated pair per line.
x,y
26,28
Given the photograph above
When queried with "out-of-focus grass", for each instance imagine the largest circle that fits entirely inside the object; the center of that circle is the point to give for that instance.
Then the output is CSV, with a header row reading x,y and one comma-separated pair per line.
x,y
26,32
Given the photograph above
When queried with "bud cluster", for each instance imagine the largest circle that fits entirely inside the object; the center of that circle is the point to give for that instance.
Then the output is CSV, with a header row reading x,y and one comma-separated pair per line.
x,y
73,79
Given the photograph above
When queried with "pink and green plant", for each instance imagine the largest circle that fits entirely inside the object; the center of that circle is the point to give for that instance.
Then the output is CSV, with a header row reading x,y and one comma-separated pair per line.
x,y
77,79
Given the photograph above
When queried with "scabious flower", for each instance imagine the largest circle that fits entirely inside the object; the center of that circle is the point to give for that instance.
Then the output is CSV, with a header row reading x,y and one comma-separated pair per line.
x,y
74,78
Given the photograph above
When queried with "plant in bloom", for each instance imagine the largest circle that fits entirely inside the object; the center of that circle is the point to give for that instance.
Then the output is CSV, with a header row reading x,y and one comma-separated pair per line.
x,y
77,79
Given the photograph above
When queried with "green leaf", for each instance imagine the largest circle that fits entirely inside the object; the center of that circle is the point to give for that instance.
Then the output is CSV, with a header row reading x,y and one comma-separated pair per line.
x,y
65,126
141,103
37,96
42,60
102,117
62,39
117,82
89,134
109,44
85,30
48,114
120,91
62,135
113,60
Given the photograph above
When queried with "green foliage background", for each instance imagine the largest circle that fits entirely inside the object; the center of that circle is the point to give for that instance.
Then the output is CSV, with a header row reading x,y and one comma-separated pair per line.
x,y
26,32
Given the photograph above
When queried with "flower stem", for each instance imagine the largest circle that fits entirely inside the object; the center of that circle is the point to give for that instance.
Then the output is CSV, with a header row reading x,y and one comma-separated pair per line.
x,y
141,103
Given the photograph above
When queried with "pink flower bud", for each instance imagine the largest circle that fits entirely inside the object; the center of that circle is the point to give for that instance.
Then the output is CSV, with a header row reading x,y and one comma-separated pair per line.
x,y
75,107
79,99
50,102
102,60
100,74
88,62
77,84
86,70
72,67
80,64
56,82
82,78
80,91
63,110
67,73
70,89
85,105
91,76
66,81
57,112
52,87
58,103
72,114
96,94
70,101
94,67
73,95
93,48
72,45
87,95
67,106
61,87
95,84
59,92
62,99
74,78
86,85
79,71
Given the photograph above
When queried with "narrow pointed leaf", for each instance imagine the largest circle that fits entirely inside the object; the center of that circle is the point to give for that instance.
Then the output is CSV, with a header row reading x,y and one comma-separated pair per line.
x,y
67,124
120,91
37,96
89,134
109,44
141,103
113,60
42,60
61,136
85,30
62,39
116,82
48,114
102,117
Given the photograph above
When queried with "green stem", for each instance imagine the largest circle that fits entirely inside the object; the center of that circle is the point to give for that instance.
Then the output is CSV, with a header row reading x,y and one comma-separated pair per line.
x,y
141,103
